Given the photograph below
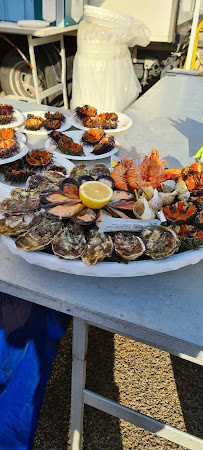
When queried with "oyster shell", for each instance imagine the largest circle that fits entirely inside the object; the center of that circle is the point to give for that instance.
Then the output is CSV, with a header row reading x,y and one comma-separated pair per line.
x,y
159,242
84,178
39,236
70,243
99,169
85,217
99,247
63,210
39,183
21,194
54,177
128,246
78,171
142,210
9,207
15,225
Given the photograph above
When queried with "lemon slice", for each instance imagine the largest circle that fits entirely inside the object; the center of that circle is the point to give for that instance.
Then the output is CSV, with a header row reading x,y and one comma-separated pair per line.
x,y
94,194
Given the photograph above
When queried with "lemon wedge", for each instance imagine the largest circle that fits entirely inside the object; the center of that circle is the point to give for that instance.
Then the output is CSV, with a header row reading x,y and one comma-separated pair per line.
x,y
94,194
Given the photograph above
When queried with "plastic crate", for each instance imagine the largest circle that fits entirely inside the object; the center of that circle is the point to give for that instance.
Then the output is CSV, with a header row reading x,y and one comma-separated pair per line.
x,y
69,12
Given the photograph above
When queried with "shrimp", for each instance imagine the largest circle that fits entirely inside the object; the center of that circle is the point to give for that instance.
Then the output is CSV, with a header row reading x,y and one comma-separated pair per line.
x,y
119,174
149,173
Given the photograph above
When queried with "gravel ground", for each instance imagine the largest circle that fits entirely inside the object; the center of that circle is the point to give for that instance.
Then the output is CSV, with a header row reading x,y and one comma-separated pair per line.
x,y
138,376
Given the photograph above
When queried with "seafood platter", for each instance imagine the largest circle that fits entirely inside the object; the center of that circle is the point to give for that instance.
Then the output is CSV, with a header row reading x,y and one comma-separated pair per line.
x,y
87,116
83,145
43,122
12,145
134,220
10,116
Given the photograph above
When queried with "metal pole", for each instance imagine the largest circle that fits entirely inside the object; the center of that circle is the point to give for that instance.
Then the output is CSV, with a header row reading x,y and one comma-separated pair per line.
x,y
192,34
34,71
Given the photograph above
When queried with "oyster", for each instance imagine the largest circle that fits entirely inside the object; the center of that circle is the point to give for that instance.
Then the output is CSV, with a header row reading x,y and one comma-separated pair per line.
x,y
99,247
85,217
70,243
99,169
78,171
63,210
159,242
9,207
54,176
21,194
128,246
39,183
39,236
15,225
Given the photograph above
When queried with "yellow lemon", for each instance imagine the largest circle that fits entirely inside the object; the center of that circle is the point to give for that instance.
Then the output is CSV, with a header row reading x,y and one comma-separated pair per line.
x,y
94,194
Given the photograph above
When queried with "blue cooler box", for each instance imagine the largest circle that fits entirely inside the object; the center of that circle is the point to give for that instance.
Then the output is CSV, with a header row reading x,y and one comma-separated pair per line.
x,y
15,10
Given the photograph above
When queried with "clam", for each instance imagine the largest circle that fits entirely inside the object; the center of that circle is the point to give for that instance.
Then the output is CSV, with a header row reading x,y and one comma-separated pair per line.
x,y
70,243
39,236
128,246
54,176
167,197
182,190
10,207
78,171
168,186
63,210
156,202
15,225
99,169
159,242
142,210
85,217
99,247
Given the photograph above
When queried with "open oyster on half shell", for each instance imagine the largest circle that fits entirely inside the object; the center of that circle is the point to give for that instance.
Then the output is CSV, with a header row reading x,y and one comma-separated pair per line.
x,y
159,242
70,243
15,225
9,206
128,245
99,247
39,236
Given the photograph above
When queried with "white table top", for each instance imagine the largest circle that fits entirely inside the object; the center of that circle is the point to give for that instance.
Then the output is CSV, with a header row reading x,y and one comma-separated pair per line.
x,y
14,28
165,310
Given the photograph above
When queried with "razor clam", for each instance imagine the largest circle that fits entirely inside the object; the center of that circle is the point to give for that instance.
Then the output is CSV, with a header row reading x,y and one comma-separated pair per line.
x,y
39,183
15,225
99,247
63,210
78,171
54,176
128,245
9,207
99,169
70,243
39,236
21,194
159,242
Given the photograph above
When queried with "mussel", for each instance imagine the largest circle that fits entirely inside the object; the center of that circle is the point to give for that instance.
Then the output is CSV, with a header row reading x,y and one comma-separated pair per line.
x,y
106,179
57,197
85,217
63,210
70,185
84,178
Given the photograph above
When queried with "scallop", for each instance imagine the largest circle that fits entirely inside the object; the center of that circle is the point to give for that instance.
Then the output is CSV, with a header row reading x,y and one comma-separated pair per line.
x,y
99,247
70,243
39,236
160,242
128,245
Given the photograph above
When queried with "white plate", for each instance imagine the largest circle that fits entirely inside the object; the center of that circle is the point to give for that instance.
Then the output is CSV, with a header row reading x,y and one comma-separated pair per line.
x,y
76,136
105,269
56,160
23,149
18,119
33,23
43,132
124,122
21,138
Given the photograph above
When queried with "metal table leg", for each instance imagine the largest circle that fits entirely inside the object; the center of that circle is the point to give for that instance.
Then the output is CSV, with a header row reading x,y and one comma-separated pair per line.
x,y
79,351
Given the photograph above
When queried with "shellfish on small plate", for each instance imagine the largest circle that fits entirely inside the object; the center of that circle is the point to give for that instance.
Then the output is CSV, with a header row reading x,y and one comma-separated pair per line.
x,y
42,131
124,122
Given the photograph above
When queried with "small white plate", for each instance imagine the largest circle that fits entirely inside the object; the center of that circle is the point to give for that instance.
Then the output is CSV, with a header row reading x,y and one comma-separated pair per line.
x,y
76,136
43,132
124,122
23,149
33,23
18,119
